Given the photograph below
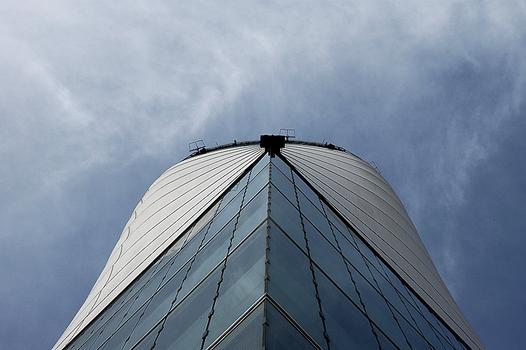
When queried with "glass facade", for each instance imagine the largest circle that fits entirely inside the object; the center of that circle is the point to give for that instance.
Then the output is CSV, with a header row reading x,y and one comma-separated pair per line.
x,y
270,265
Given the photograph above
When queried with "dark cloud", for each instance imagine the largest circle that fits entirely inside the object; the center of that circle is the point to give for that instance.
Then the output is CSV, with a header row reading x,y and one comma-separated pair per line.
x,y
98,99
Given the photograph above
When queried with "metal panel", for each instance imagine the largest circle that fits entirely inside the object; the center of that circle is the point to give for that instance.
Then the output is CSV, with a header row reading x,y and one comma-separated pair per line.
x,y
171,204
360,194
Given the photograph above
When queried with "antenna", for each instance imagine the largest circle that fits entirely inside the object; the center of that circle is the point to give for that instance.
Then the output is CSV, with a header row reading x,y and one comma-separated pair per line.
x,y
196,146
288,133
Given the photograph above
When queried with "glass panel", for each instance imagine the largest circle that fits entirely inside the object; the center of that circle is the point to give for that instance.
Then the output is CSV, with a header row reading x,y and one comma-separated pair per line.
x,y
206,260
247,335
378,311
226,231
185,325
385,343
354,257
236,190
118,339
286,216
291,284
347,327
256,185
149,289
227,213
242,285
187,252
337,224
284,185
158,307
315,217
330,260
110,327
251,216
281,335
414,338
307,191
284,168
147,342
260,165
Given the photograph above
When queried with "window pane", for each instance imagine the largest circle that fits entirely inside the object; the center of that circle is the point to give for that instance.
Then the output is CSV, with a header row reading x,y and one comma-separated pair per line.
x,y
247,335
330,260
378,311
251,216
110,327
291,284
147,342
286,216
237,189
281,335
315,217
307,191
283,184
226,214
157,307
118,339
284,168
184,327
256,185
347,327
260,165
187,252
242,285
207,259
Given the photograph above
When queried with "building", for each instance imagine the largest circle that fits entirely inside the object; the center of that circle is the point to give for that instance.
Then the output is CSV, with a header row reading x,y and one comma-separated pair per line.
x,y
274,244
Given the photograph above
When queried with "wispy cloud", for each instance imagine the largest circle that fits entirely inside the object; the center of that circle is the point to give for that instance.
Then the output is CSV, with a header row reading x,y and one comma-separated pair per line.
x,y
421,88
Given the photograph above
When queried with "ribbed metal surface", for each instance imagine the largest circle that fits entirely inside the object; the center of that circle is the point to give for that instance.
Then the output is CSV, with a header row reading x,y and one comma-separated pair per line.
x,y
367,201
169,207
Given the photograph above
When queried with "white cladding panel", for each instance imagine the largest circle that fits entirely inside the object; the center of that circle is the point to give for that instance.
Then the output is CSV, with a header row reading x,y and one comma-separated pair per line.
x,y
369,204
168,208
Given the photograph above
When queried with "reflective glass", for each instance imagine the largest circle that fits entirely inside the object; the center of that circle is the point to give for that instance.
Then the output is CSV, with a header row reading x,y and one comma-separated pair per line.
x,y
280,334
109,327
206,260
157,307
117,340
286,216
307,191
237,189
251,216
315,217
291,283
347,327
260,165
284,168
185,325
283,184
330,260
247,335
147,342
414,338
256,185
227,213
385,343
242,284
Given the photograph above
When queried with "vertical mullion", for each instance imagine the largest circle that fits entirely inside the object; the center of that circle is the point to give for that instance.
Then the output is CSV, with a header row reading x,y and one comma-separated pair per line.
x,y
267,261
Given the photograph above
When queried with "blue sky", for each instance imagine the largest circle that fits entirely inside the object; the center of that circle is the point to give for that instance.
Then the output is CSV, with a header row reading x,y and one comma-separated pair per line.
x,y
97,99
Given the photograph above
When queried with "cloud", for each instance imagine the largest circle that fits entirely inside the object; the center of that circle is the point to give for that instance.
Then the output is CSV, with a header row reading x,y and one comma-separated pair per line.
x,y
97,98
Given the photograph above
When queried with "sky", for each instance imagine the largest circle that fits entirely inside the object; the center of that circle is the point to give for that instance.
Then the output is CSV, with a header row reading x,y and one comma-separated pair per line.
x,y
98,98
